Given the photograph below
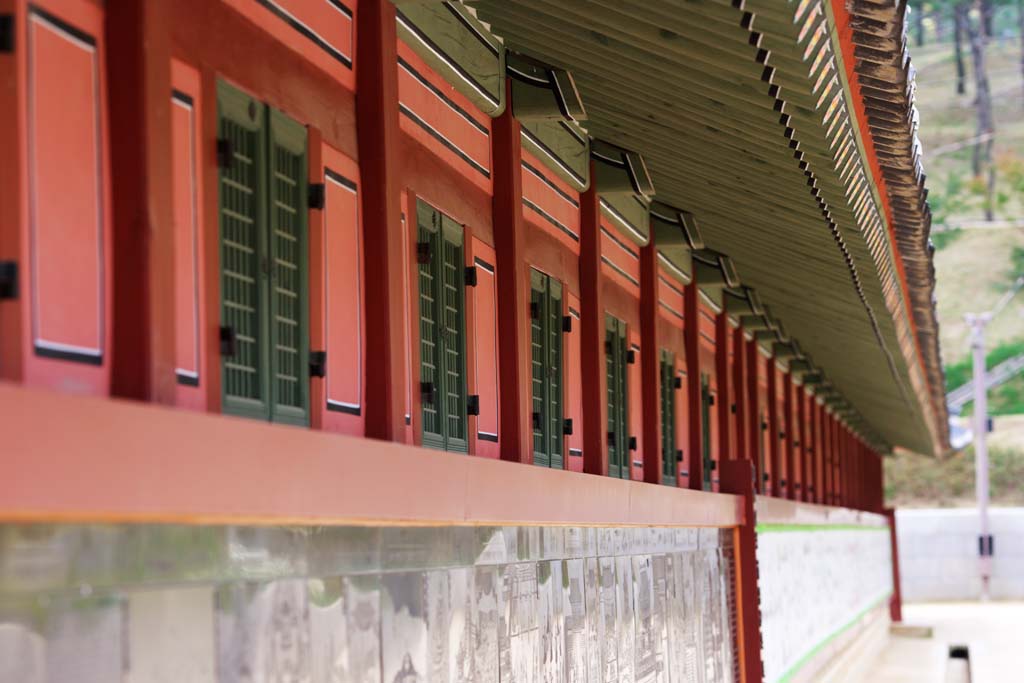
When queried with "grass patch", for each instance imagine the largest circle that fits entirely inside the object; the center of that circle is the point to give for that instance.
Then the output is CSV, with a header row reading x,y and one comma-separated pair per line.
x,y
943,239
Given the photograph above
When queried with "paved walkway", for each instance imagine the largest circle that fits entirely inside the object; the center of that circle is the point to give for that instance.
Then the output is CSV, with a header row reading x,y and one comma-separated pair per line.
x,y
994,632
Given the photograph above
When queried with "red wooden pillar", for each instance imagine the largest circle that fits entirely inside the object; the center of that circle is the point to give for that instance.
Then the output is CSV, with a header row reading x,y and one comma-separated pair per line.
x,y
650,359
515,402
592,326
737,477
139,84
378,136
789,438
774,487
811,448
742,449
11,179
725,391
691,337
896,600
753,424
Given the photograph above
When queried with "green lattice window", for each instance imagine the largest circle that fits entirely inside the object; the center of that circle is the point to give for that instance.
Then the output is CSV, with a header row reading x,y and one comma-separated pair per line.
x,y
668,389
616,355
546,329
442,329
706,401
263,226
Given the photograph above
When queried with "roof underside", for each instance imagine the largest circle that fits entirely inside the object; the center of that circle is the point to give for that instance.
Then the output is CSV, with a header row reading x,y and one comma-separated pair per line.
x,y
738,128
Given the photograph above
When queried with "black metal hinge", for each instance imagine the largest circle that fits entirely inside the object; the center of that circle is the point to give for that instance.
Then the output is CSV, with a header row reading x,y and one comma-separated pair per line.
x,y
677,383
427,392
566,323
534,310
679,456
611,438
473,404
317,363
567,426
469,278
631,356
536,420
711,399
317,196
632,443
732,408
228,341
8,280
225,153
6,33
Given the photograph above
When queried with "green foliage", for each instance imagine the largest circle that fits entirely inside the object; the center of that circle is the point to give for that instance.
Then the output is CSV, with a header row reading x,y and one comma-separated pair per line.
x,y
924,481
959,373
943,239
1017,263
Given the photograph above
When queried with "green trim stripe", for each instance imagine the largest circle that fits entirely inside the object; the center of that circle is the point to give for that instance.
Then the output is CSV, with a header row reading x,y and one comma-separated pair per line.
x,y
776,528
791,671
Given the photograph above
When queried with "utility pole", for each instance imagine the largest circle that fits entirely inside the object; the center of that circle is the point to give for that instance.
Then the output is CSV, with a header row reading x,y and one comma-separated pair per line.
x,y
977,323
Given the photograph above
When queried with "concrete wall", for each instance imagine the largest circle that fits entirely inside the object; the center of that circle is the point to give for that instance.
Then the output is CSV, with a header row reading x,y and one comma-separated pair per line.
x,y
938,551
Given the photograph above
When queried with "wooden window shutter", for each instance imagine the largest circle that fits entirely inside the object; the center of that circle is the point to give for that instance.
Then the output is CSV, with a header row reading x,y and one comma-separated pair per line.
x,y
668,418
555,420
442,330
538,336
453,338
288,271
615,363
242,208
427,244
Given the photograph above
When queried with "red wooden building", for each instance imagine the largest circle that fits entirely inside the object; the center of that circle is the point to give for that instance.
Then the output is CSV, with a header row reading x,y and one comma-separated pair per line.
x,y
674,246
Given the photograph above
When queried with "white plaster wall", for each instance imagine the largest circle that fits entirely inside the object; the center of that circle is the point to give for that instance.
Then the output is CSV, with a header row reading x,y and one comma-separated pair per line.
x,y
815,584
938,550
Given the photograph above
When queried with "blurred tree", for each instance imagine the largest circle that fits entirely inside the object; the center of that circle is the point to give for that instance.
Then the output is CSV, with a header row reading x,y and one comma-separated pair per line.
x,y
982,165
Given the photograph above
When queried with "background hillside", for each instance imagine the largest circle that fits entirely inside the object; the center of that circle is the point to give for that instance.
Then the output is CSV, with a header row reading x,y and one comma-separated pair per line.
x,y
976,260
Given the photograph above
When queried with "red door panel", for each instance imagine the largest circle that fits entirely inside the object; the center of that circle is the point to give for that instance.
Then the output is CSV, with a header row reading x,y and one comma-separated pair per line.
x,y
186,117
344,294
68,198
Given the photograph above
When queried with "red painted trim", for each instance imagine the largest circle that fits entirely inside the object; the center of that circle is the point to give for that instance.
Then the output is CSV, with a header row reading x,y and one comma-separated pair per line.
x,y
650,358
844,31
694,363
740,390
482,328
513,291
738,479
123,462
595,402
755,438
724,399
378,131
790,488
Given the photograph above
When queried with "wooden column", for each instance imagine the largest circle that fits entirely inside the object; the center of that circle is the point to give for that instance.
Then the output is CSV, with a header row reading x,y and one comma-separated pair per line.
x,y
592,328
737,477
11,218
723,342
378,136
741,450
774,425
650,360
754,438
896,600
515,401
139,92
789,438
804,446
691,339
